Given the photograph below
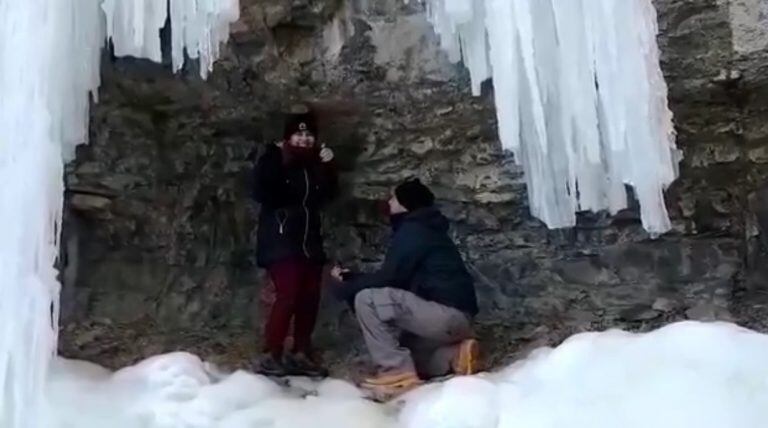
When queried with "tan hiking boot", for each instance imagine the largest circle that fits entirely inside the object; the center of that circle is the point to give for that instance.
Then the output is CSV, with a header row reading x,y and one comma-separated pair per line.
x,y
467,359
390,378
387,386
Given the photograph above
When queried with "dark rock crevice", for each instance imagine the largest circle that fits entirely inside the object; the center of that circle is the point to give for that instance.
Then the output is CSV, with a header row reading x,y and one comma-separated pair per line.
x,y
159,235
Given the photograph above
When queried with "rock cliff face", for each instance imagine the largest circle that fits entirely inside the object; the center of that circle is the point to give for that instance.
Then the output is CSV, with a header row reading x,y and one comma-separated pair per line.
x,y
159,230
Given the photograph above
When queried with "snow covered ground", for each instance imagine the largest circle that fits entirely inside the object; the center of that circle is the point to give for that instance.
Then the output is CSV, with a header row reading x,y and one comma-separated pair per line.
x,y
684,375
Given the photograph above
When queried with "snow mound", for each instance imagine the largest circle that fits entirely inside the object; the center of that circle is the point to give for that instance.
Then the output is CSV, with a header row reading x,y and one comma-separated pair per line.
x,y
684,375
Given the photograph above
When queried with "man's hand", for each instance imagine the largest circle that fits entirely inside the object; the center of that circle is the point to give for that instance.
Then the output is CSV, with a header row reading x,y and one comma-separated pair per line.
x,y
337,273
326,154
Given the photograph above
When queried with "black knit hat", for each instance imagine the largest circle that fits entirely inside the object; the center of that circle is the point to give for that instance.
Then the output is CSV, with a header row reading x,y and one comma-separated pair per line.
x,y
299,122
413,195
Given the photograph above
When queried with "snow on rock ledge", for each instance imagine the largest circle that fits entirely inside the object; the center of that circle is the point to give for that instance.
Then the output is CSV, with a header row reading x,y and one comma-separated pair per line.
x,y
686,375
580,98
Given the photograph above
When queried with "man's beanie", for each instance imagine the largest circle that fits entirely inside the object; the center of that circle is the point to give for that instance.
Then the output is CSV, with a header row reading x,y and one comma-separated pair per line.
x,y
299,122
413,195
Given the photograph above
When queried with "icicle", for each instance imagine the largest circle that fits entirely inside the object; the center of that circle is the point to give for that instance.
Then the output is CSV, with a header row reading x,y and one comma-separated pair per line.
x,y
503,53
580,98
200,28
134,27
84,53
473,40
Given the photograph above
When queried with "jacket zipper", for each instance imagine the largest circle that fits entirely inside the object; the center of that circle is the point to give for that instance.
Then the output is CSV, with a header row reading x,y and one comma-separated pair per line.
x,y
306,214
281,222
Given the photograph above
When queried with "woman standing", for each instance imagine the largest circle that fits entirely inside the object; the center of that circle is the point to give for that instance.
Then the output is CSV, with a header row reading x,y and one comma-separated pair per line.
x,y
294,179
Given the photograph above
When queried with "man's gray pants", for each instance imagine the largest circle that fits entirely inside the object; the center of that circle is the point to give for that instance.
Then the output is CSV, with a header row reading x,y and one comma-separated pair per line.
x,y
405,332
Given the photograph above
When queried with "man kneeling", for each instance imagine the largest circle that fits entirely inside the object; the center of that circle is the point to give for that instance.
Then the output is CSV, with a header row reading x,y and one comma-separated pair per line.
x,y
416,311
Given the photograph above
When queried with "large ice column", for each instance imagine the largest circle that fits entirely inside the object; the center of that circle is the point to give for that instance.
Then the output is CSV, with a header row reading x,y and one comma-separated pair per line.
x,y
580,98
48,63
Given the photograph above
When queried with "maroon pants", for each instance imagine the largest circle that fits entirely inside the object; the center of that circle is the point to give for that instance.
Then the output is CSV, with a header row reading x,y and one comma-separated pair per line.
x,y
297,298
